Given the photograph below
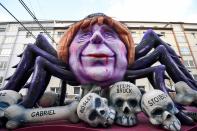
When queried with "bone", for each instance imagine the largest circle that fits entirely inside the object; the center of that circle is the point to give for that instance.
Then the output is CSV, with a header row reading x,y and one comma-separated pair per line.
x,y
184,94
18,115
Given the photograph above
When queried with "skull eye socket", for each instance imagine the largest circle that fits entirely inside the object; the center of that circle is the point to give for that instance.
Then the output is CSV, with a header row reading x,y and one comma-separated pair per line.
x,y
93,115
119,103
132,103
97,102
157,111
4,104
169,106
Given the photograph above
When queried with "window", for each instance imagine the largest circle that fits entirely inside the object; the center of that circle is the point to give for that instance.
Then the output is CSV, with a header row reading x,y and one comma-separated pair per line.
x,y
181,39
55,89
185,51
9,40
2,29
1,80
133,34
60,34
163,33
5,52
3,64
45,33
194,35
76,90
189,64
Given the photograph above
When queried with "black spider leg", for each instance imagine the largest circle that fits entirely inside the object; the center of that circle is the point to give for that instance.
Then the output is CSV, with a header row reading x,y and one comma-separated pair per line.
x,y
165,54
24,68
156,74
161,54
37,87
43,44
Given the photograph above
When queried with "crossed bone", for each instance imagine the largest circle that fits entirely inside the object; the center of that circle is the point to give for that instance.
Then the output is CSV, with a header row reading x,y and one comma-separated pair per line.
x,y
18,115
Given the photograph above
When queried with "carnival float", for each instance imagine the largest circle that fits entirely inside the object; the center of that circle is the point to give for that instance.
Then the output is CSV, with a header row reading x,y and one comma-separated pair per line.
x,y
98,53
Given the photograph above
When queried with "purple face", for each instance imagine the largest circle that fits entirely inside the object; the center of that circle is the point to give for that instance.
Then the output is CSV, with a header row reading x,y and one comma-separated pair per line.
x,y
97,55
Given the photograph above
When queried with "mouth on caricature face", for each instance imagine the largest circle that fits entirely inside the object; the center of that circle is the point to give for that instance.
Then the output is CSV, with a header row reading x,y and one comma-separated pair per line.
x,y
98,59
98,66
101,55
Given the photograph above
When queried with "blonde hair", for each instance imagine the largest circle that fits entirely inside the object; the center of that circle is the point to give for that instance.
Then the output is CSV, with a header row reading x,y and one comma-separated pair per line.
x,y
122,30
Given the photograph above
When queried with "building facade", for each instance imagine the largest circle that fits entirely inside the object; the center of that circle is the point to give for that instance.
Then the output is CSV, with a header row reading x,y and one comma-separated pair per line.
x,y
14,38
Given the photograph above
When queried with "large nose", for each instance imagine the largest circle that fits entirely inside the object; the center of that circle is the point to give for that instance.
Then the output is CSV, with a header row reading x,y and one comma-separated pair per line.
x,y
166,116
97,38
126,108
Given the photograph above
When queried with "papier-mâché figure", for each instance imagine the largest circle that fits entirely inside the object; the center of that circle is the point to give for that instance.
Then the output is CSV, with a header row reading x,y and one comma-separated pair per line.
x,y
96,50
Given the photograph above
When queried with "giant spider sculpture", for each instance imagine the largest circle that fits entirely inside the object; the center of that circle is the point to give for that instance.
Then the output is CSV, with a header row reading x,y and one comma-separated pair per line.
x,y
97,50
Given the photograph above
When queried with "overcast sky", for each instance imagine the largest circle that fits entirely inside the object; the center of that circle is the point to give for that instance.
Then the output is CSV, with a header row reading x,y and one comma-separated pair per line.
x,y
134,10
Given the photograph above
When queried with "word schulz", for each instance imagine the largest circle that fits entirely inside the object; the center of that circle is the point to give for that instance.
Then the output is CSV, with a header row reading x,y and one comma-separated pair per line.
x,y
42,113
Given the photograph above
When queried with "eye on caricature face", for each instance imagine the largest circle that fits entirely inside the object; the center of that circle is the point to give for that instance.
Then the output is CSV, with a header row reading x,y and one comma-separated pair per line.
x,y
84,35
97,55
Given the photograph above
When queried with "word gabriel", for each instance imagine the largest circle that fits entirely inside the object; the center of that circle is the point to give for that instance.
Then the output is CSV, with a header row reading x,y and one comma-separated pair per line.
x,y
42,113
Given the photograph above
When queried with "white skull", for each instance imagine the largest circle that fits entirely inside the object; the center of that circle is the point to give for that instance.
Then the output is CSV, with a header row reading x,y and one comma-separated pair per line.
x,y
7,98
94,110
160,109
125,98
